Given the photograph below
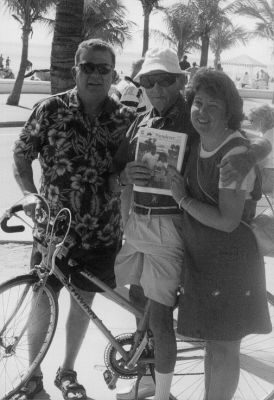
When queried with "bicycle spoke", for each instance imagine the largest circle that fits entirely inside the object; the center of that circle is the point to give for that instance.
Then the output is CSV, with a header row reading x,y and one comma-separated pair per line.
x,y
17,322
256,374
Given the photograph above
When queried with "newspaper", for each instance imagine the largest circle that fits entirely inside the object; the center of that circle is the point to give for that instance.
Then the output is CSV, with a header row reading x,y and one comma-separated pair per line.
x,y
157,149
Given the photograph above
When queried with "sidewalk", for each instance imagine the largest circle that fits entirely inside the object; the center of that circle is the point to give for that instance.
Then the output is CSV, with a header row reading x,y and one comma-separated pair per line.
x,y
16,116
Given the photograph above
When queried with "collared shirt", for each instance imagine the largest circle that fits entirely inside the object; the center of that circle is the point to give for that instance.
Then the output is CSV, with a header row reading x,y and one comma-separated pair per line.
x,y
176,119
76,159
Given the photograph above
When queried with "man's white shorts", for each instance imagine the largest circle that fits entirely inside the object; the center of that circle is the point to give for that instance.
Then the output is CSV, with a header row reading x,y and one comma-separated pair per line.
x,y
152,256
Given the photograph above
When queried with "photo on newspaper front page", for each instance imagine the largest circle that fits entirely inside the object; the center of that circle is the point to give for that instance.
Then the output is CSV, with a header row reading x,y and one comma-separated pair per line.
x,y
157,149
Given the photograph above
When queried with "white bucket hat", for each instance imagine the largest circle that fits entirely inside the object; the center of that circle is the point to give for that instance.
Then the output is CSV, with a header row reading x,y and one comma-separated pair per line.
x,y
160,59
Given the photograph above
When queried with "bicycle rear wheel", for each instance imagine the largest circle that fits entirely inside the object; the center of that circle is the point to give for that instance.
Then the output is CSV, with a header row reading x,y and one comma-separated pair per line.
x,y
18,323
256,362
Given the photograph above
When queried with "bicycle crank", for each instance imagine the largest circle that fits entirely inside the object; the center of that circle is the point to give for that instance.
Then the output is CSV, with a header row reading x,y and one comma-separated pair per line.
x,y
114,361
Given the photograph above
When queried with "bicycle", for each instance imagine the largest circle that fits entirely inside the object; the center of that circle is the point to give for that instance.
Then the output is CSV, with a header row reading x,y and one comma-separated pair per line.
x,y
126,356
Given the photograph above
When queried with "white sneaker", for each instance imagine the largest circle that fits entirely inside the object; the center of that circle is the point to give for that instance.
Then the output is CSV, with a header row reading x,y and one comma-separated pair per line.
x,y
146,389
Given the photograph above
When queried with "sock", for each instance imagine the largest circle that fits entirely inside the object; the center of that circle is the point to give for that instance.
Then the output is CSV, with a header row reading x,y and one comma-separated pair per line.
x,y
163,384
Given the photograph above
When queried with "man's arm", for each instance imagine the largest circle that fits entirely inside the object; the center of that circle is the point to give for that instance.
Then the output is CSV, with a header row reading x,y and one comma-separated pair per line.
x,y
237,166
259,148
23,174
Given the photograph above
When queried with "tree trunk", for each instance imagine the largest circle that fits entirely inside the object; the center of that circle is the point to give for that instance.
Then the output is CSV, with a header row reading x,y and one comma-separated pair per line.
x,y
146,33
217,58
180,51
66,38
14,97
204,51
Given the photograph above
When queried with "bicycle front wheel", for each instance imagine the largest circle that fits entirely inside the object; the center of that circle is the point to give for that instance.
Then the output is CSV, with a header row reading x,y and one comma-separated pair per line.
x,y
256,363
24,309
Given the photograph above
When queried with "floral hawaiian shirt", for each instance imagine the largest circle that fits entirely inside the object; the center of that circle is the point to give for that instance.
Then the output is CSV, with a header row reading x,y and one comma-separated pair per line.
x,y
76,159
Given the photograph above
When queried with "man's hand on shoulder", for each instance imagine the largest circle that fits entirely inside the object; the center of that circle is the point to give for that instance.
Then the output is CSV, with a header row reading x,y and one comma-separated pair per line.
x,y
236,167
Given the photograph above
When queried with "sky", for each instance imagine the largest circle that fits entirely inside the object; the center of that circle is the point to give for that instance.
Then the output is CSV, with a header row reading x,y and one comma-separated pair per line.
x,y
258,49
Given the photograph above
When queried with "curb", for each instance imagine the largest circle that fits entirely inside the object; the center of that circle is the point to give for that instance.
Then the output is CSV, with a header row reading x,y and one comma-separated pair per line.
x,y
22,242
12,124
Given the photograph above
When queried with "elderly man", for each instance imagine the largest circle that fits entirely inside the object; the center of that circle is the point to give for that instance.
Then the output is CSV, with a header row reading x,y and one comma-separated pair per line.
x,y
76,134
152,256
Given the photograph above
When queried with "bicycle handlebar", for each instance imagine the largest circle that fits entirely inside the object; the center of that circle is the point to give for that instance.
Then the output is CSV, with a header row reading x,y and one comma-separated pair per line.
x,y
7,217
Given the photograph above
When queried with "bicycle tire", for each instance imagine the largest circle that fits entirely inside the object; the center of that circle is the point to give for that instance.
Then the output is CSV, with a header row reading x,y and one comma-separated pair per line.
x,y
256,360
15,368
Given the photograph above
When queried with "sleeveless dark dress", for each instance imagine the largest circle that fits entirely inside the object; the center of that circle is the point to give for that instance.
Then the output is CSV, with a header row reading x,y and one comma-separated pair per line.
x,y
224,291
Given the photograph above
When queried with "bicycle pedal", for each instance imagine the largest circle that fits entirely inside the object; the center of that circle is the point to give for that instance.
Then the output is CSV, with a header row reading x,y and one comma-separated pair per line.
x,y
110,379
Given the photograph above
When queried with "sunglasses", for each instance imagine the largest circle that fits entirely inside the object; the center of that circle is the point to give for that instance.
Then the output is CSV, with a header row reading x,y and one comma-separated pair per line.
x,y
89,68
163,80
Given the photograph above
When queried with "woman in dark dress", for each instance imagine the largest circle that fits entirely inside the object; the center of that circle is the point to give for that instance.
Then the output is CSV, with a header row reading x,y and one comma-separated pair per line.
x,y
224,293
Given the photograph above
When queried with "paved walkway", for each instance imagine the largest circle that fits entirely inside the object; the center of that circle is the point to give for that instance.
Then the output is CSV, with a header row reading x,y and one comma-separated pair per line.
x,y
16,116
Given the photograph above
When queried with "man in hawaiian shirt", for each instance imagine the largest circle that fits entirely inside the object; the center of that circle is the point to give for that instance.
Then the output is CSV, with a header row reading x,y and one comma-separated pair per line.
x,y
76,134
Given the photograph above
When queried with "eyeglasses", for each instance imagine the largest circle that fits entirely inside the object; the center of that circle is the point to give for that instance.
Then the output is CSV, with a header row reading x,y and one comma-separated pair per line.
x,y
163,80
88,68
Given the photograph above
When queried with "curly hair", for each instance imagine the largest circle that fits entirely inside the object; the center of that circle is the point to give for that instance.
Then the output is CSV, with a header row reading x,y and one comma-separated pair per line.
x,y
264,115
218,84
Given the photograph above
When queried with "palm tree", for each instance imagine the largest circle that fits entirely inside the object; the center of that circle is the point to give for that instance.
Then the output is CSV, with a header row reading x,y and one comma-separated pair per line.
x,y
26,12
225,36
106,19
67,35
180,29
80,20
262,11
148,6
206,15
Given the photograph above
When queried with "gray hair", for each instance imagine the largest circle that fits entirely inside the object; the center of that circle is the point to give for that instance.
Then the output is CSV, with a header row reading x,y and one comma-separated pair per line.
x,y
263,114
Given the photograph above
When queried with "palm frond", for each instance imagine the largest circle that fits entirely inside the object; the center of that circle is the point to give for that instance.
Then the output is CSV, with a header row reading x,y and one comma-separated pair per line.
x,y
108,21
17,19
48,23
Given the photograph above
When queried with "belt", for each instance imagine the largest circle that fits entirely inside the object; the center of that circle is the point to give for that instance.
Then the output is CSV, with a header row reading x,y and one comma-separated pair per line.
x,y
143,210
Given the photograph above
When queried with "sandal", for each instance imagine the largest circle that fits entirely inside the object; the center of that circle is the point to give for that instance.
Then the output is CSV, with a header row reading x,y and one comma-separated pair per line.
x,y
66,381
27,392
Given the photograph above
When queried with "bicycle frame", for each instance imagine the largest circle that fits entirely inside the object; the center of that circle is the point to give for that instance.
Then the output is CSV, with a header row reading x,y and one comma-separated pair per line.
x,y
112,295
140,338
